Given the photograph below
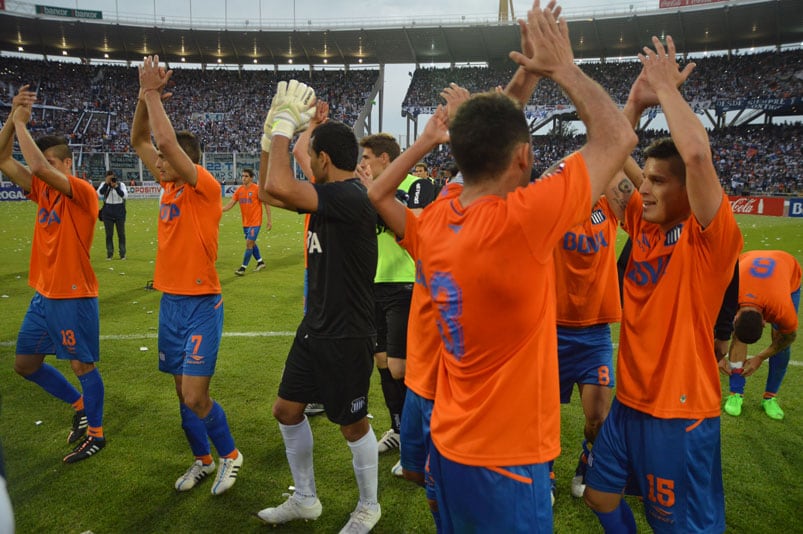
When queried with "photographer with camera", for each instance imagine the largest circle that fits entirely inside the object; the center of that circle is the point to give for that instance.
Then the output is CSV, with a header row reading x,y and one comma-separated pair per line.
x,y
112,214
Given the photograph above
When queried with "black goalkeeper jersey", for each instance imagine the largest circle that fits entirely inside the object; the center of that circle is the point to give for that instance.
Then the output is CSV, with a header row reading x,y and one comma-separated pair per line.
x,y
341,262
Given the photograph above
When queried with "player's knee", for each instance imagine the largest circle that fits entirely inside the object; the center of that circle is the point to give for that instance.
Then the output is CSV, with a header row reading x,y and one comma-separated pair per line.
x,y
600,501
285,415
397,367
199,403
24,368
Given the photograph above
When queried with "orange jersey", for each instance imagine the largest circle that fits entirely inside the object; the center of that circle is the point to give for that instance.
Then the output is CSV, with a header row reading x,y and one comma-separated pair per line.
x,y
423,340
489,271
62,238
188,233
673,288
250,205
767,278
585,271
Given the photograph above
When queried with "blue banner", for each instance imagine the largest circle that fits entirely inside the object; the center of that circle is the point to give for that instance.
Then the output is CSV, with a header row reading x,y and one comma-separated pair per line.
x,y
11,192
796,207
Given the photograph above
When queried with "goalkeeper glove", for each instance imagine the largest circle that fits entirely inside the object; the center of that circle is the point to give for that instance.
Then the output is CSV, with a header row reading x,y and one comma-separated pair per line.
x,y
266,131
292,108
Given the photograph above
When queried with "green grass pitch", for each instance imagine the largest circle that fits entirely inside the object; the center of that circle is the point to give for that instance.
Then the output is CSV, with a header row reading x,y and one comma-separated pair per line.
x,y
128,488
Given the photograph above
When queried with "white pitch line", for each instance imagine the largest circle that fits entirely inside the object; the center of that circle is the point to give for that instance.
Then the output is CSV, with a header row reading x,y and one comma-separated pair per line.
x,y
115,337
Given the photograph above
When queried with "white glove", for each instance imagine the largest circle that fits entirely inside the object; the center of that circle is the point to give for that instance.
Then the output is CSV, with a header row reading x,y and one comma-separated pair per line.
x,y
292,109
267,130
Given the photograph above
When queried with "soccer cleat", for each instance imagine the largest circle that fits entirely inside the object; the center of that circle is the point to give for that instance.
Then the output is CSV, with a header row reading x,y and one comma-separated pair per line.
x,y
260,265
390,440
90,446
314,408
79,425
227,473
362,520
196,473
240,271
579,479
396,470
772,408
733,406
290,510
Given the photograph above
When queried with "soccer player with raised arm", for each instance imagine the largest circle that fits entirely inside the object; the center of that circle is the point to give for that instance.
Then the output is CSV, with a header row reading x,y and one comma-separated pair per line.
x,y
62,318
663,429
485,257
247,195
393,286
191,308
331,358
769,292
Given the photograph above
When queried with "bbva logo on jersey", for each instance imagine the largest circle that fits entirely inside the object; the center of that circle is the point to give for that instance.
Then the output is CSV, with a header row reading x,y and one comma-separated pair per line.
x,y
46,217
313,243
168,212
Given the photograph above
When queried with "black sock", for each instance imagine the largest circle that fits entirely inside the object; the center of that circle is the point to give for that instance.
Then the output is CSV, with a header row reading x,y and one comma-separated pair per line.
x,y
394,392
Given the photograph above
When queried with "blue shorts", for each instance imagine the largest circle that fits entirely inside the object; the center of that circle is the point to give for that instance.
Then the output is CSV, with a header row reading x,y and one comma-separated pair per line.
x,y
67,328
675,463
190,328
585,356
415,438
251,232
491,499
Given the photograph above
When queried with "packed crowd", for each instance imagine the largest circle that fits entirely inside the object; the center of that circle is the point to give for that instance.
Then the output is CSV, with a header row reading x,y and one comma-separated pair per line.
x,y
749,159
765,75
93,104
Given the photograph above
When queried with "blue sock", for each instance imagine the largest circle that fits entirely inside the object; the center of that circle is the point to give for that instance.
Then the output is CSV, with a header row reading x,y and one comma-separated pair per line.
x,y
737,382
619,521
217,428
51,380
778,365
257,255
247,256
92,384
195,431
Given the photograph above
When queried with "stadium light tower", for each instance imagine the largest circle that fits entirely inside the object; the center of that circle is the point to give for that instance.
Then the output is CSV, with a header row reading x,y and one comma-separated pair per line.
x,y
504,6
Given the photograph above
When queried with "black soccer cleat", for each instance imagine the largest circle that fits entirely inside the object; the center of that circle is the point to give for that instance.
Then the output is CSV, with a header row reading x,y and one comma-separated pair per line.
x,y
89,447
79,425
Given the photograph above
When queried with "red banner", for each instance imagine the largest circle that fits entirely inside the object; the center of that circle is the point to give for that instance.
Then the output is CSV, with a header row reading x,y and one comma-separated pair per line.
x,y
757,205
685,3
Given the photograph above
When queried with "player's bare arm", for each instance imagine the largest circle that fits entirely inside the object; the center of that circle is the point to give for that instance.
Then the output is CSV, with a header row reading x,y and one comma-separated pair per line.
x,y
41,166
779,342
17,173
152,81
382,192
292,109
662,74
610,138
621,188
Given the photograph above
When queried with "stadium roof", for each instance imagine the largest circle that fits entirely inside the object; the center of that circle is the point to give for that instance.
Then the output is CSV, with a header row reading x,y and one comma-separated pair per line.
x,y
719,26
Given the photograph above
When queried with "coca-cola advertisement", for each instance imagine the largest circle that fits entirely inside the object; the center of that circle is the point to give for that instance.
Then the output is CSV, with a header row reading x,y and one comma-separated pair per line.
x,y
757,205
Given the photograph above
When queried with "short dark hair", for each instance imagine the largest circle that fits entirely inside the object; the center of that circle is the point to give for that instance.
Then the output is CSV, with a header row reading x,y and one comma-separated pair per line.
x,y
190,145
249,172
59,142
382,143
484,133
748,326
664,148
339,142
111,173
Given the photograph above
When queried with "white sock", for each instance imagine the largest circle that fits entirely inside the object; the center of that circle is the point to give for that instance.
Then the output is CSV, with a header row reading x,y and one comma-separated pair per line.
x,y
365,460
736,365
298,448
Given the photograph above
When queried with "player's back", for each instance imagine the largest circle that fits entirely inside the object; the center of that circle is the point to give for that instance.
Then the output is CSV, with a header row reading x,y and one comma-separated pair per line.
x,y
767,278
488,267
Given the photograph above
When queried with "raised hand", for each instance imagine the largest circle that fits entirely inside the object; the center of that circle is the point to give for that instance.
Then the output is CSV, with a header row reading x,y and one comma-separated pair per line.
x,y
152,77
22,104
293,108
660,69
546,47
454,96
363,172
436,131
321,113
